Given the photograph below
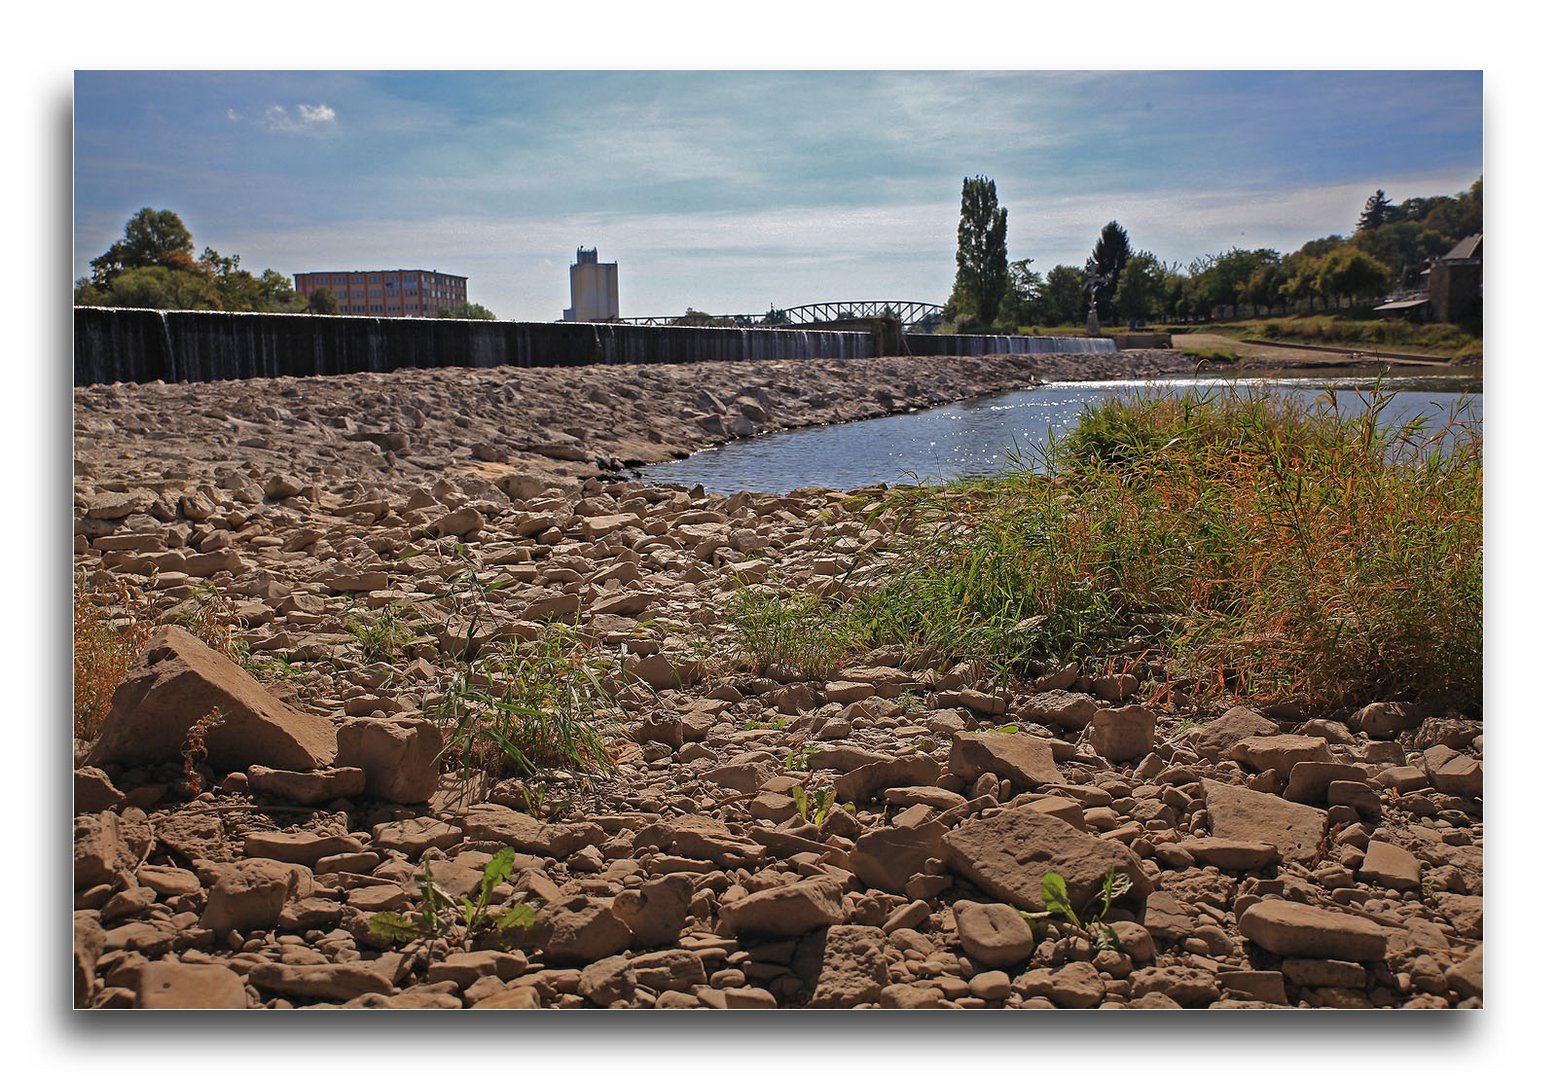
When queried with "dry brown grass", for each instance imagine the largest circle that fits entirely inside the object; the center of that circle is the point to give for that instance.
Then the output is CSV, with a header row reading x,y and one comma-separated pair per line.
x,y
112,624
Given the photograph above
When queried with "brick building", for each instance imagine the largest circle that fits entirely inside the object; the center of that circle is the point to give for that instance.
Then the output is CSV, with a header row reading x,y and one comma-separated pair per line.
x,y
387,293
1454,282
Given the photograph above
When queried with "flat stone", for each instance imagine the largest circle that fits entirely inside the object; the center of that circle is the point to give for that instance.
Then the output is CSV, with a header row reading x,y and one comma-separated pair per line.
x,y
1008,853
993,934
415,836
1391,867
523,833
1385,719
1279,752
312,788
320,982
1076,985
887,858
1060,709
854,967
299,847
859,785
168,984
1238,813
1309,781
1235,856
785,911
1026,761
697,836
1290,929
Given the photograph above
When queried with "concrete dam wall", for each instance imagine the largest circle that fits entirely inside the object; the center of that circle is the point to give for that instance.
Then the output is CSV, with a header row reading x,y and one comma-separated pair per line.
x,y
135,345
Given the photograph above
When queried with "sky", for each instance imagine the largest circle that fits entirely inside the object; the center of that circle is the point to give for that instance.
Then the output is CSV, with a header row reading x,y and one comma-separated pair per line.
x,y
732,191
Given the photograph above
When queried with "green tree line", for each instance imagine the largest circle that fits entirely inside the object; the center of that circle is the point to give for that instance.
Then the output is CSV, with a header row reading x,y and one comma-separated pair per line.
x,y
155,266
1388,249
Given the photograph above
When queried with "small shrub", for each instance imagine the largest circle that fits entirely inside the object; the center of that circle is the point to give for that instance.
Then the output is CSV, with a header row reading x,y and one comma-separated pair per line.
x,y
805,633
111,624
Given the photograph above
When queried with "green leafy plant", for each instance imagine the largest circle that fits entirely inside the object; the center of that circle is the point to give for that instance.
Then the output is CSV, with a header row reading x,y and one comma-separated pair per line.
x,y
813,807
800,758
442,916
1091,924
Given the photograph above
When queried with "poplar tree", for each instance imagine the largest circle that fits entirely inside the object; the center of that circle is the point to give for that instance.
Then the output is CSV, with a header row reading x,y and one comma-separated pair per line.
x,y
982,273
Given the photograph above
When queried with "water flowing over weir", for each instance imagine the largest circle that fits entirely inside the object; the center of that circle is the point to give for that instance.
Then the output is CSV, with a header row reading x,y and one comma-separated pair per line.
x,y
136,345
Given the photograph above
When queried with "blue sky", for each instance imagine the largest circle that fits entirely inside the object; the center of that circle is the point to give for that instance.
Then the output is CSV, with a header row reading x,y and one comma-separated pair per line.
x,y
728,191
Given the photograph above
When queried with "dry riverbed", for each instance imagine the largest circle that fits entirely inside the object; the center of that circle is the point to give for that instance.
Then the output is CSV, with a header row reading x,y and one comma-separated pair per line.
x,y
1264,860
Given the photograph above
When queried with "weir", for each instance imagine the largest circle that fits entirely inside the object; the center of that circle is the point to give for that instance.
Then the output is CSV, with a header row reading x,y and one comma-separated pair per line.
x,y
135,345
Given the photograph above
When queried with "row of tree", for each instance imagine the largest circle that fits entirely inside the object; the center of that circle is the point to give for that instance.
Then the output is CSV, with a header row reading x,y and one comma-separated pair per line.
x,y
155,266
1388,250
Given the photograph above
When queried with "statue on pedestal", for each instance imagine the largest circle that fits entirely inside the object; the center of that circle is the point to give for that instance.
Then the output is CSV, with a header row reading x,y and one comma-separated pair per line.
x,y
1096,278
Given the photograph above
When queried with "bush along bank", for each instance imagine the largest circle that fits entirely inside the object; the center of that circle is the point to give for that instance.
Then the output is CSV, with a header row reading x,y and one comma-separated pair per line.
x,y
535,742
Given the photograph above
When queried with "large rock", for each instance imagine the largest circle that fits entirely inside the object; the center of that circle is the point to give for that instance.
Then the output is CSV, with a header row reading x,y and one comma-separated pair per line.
x,y
785,911
399,756
1289,929
107,844
313,788
1390,866
1238,813
1026,761
179,682
1123,734
1008,853
1236,724
1453,773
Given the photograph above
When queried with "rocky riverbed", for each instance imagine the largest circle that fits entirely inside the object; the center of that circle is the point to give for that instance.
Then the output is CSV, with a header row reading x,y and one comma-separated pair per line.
x,y
1263,859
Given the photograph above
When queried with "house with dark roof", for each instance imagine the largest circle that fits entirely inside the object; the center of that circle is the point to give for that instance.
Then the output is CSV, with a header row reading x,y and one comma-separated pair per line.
x,y
1454,282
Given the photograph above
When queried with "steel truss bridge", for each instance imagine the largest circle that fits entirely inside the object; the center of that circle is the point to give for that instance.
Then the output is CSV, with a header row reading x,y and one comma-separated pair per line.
x,y
915,315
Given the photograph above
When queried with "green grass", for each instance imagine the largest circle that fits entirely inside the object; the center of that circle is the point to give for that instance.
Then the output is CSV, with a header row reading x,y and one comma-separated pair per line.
x,y
1246,542
535,705
384,633
1397,335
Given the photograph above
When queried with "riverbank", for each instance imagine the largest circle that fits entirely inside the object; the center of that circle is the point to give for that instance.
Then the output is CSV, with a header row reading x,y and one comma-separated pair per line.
x,y
380,550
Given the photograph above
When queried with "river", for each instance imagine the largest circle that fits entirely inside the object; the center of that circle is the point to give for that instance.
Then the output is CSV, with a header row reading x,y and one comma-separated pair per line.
x,y
977,437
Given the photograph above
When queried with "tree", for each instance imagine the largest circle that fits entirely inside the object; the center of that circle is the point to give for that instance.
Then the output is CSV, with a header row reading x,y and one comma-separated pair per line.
x,y
1110,253
1377,211
151,238
1065,296
1140,292
1347,271
1023,302
466,310
323,302
1223,281
982,272
163,288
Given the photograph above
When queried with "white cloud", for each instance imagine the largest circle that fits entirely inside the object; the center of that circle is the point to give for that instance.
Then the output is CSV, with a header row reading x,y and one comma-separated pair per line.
x,y
233,115
307,118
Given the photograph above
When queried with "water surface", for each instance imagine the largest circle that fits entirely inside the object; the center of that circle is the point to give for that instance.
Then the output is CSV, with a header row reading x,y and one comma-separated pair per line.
x,y
977,437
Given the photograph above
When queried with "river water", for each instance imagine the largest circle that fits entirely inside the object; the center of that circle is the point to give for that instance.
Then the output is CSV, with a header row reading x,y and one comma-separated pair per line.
x,y
978,437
